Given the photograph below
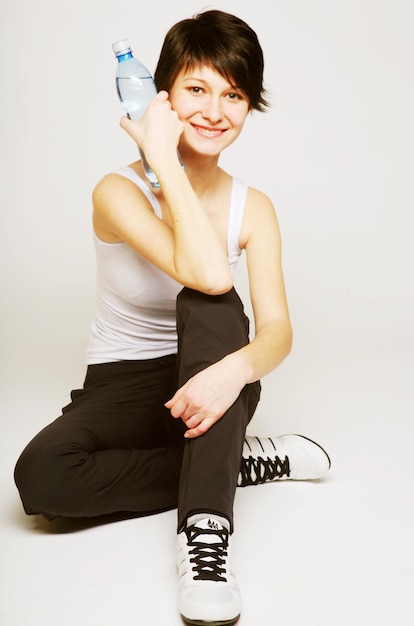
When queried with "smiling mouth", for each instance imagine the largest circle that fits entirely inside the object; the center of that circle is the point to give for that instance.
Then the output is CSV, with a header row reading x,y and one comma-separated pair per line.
x,y
209,132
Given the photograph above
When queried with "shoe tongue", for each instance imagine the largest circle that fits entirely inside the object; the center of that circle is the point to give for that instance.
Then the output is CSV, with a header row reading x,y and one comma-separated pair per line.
x,y
209,531
200,520
209,524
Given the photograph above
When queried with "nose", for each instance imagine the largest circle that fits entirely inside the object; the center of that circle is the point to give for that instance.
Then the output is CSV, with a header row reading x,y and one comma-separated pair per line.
x,y
213,110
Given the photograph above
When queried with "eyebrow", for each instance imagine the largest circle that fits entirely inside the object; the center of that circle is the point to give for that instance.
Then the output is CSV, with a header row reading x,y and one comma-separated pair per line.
x,y
206,82
200,80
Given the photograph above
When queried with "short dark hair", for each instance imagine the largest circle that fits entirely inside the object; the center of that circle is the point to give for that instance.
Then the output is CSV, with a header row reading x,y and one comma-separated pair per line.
x,y
221,40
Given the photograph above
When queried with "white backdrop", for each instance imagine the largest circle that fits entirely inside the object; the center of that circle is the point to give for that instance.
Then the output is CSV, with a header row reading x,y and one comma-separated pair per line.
x,y
335,154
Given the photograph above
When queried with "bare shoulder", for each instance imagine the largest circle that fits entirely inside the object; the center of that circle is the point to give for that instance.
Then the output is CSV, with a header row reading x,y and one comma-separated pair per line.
x,y
258,200
116,200
110,186
259,215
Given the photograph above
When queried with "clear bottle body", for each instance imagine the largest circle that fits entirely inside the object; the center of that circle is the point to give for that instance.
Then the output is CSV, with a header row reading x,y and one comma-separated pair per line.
x,y
135,94
136,88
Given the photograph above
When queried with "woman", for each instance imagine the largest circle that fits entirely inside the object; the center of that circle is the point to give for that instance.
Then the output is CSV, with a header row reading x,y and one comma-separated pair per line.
x,y
172,379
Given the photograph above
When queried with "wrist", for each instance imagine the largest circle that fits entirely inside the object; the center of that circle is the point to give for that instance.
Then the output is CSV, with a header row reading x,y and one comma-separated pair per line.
x,y
240,366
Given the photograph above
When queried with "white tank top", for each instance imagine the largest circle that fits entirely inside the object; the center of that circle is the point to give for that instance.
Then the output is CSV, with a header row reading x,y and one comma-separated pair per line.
x,y
135,309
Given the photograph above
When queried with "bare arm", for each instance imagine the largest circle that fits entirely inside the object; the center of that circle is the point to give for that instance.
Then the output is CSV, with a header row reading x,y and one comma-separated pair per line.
x,y
187,248
206,397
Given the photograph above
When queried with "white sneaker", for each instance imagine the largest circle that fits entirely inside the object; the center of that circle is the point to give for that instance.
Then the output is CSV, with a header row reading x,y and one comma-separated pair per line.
x,y
293,457
208,593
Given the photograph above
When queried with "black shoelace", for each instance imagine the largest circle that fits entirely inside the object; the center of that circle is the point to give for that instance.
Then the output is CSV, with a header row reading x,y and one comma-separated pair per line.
x,y
209,559
257,470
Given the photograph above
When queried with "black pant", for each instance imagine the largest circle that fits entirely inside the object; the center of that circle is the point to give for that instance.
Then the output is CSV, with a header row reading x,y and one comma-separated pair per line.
x,y
115,448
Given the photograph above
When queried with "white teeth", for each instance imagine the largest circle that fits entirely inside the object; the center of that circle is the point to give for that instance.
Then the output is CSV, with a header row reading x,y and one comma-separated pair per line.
x,y
206,131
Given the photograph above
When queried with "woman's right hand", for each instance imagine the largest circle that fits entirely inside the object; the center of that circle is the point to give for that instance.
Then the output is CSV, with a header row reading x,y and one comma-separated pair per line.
x,y
157,132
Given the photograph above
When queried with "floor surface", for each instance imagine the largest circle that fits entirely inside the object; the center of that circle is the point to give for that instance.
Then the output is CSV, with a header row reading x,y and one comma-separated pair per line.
x,y
333,552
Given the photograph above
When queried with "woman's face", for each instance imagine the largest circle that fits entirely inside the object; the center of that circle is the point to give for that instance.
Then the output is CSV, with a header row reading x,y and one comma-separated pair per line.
x,y
213,111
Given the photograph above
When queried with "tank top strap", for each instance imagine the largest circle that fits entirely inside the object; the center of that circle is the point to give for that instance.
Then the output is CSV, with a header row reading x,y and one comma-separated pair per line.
x,y
237,204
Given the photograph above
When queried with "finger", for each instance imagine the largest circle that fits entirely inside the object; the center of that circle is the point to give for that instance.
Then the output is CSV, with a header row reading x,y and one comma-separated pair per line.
x,y
177,407
199,430
162,95
179,392
170,403
125,122
192,420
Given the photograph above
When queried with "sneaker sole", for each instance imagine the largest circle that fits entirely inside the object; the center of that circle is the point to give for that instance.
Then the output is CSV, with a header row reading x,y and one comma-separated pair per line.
x,y
201,622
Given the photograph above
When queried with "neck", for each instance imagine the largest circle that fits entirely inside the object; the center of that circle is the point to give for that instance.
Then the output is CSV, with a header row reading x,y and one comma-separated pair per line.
x,y
203,173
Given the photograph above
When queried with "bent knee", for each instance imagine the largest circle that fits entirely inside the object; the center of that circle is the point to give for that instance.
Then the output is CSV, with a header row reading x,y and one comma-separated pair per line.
x,y
32,475
41,476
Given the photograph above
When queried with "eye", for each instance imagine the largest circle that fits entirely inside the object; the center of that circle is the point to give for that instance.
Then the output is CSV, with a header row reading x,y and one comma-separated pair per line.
x,y
234,96
195,90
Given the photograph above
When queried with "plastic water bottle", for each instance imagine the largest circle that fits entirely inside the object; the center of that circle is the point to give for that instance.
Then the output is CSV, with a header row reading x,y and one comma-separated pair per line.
x,y
136,88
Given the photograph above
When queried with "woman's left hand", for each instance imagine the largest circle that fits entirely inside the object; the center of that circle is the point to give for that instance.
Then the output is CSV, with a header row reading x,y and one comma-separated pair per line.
x,y
205,397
